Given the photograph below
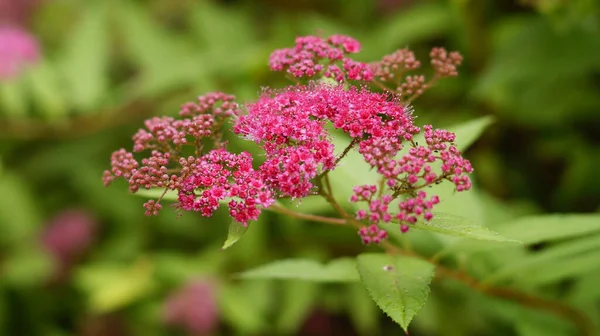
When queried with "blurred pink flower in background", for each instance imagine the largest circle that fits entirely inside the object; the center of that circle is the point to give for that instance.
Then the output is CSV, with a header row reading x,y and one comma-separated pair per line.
x,y
16,12
68,235
18,48
193,307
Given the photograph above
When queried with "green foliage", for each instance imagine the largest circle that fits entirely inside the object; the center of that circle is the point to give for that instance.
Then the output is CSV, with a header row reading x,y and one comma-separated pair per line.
x,y
524,109
337,270
399,285
236,231
459,226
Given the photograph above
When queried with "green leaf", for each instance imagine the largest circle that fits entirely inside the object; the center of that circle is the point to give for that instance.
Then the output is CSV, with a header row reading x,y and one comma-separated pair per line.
x,y
27,266
13,100
421,21
586,290
338,270
547,258
236,231
461,227
561,269
362,310
468,132
19,213
111,287
86,59
46,89
537,229
398,284
297,299
238,309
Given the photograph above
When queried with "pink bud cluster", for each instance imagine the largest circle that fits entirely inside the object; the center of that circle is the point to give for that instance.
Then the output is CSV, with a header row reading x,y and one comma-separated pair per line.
x,y
392,66
314,56
372,234
444,63
193,308
18,48
406,174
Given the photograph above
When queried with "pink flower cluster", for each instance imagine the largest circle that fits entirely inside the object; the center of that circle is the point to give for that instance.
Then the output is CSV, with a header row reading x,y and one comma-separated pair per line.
x,y
292,127
314,56
202,180
18,48
218,175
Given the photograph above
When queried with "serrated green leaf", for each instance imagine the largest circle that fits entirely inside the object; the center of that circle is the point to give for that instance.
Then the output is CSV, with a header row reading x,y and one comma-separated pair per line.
x,y
86,59
297,299
235,233
338,270
537,229
111,287
459,226
398,284
468,132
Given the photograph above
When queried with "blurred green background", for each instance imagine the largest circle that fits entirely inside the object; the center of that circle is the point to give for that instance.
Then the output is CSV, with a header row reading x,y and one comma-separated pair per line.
x,y
80,259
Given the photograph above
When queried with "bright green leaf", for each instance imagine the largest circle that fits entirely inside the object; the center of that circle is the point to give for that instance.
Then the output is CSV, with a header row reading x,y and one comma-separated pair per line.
x,y
236,231
86,59
398,284
338,270
459,226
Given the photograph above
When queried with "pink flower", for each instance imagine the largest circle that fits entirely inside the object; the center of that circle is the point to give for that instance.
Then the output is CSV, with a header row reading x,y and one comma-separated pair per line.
x,y
18,48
